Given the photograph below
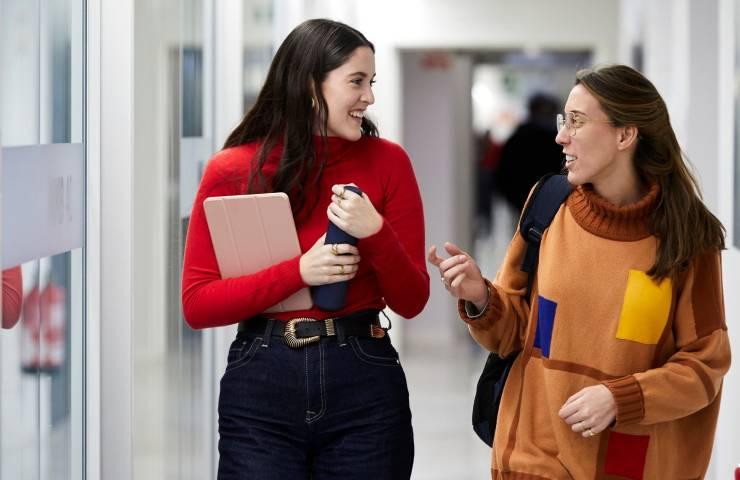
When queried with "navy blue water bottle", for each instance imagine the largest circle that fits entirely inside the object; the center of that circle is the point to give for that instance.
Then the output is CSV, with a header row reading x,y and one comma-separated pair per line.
x,y
331,296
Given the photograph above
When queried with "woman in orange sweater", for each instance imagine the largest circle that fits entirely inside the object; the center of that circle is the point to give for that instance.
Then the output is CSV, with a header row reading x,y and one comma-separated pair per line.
x,y
625,345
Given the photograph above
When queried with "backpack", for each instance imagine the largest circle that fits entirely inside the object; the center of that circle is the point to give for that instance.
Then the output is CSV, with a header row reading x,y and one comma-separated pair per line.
x,y
547,196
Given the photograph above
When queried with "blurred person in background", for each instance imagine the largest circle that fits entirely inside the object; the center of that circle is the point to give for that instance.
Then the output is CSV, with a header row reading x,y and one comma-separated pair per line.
x,y
488,153
530,152
623,345
338,407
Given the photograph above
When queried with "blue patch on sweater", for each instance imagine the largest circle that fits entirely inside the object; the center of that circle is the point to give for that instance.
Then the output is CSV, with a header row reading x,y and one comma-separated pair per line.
x,y
545,320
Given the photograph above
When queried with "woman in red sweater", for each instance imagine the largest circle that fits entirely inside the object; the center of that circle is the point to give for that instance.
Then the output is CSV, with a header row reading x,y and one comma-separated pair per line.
x,y
337,407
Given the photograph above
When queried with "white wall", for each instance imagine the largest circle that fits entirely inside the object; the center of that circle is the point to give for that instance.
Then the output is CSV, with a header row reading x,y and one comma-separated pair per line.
x,y
110,211
479,24
437,135
726,20
689,56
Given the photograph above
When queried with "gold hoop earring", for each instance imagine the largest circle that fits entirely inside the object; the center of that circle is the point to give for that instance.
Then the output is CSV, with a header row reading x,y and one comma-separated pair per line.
x,y
313,104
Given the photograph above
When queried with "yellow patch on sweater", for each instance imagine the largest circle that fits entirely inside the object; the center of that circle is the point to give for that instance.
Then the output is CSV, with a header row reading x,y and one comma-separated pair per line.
x,y
645,308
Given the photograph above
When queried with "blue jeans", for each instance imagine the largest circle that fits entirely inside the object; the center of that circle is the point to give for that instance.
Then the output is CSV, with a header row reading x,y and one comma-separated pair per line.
x,y
324,411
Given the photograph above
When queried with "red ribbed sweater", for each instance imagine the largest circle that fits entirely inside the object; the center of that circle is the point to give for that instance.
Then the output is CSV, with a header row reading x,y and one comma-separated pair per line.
x,y
392,270
596,317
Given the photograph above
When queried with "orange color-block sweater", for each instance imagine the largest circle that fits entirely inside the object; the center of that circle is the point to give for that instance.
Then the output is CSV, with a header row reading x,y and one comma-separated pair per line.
x,y
596,317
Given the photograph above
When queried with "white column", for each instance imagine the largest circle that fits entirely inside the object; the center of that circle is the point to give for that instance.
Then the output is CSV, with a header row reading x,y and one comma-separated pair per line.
x,y
720,180
703,72
666,57
436,124
689,56
110,223
631,29
288,14
92,239
228,63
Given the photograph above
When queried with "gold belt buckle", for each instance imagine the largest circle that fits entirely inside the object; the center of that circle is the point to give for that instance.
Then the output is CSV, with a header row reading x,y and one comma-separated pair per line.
x,y
290,330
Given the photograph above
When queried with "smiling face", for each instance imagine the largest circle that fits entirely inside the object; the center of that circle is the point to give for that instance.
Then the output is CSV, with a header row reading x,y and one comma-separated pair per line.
x,y
591,155
348,92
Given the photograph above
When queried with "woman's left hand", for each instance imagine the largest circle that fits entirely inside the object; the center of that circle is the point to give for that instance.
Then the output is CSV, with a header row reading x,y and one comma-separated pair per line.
x,y
353,213
590,411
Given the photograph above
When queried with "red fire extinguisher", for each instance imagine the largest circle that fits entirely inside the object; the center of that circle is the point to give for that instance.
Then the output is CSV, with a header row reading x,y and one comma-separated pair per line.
x,y
44,328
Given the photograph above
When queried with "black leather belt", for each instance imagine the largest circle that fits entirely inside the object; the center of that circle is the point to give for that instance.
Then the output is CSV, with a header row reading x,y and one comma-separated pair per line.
x,y
302,331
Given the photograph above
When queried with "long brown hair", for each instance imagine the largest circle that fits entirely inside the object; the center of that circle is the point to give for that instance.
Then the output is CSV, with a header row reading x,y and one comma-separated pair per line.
x,y
288,107
685,228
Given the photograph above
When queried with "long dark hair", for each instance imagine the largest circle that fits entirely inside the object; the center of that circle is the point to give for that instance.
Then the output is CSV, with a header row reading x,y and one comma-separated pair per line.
x,y
291,103
685,228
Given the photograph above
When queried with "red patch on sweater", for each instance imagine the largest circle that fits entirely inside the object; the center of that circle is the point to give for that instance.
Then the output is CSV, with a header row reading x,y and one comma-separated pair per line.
x,y
625,455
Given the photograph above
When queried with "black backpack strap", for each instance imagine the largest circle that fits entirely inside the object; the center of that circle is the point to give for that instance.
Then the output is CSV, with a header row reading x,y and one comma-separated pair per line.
x,y
549,193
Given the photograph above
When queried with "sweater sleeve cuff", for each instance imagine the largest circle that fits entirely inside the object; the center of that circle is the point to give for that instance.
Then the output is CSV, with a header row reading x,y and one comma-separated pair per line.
x,y
485,318
630,401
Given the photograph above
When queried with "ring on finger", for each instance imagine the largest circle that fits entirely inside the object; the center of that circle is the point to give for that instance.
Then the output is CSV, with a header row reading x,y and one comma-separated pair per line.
x,y
335,249
589,432
341,269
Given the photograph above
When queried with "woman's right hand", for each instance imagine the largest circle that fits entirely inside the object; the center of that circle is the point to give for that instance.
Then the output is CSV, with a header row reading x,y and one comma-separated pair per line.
x,y
460,275
324,264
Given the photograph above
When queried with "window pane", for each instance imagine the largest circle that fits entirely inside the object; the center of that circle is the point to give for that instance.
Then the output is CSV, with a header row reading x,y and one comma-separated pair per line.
x,y
41,340
40,369
19,57
736,215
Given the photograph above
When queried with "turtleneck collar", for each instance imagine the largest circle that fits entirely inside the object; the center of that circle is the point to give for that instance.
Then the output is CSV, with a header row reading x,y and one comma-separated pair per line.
x,y
335,146
599,216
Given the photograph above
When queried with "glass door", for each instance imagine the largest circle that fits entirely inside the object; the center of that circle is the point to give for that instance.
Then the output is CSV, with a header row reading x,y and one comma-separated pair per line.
x,y
42,232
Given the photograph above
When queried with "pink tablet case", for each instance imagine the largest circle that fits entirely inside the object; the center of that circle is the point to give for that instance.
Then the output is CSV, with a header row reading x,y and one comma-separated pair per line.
x,y
252,232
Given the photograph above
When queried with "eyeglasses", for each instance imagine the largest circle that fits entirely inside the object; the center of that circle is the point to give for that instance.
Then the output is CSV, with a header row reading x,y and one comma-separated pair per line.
x,y
573,121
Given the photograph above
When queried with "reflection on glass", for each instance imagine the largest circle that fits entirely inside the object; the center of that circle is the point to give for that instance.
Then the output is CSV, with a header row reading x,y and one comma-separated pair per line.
x,y
56,126
736,214
19,75
12,296
192,92
35,371
19,412
45,318
40,372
